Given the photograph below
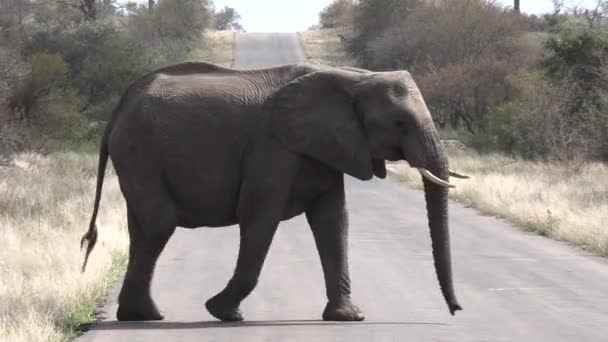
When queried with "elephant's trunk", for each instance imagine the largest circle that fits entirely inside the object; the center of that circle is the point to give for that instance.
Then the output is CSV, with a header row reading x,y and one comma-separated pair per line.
x,y
437,209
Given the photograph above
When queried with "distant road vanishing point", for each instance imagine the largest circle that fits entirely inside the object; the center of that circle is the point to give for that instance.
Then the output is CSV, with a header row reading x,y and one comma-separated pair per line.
x,y
514,286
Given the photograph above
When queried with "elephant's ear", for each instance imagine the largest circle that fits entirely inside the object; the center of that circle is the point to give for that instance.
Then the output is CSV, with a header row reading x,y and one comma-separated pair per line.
x,y
315,115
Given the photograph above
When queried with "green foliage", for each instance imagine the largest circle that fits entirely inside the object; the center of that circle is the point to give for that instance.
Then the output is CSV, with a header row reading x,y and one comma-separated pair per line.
x,y
46,101
371,18
576,50
577,55
227,19
538,122
338,14
48,71
73,67
498,128
182,19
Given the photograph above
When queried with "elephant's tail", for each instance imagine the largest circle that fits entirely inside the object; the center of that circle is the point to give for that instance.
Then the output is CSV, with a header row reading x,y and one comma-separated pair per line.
x,y
90,238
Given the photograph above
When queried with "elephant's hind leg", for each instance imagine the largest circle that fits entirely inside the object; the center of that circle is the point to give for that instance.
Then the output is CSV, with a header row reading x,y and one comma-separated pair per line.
x,y
149,235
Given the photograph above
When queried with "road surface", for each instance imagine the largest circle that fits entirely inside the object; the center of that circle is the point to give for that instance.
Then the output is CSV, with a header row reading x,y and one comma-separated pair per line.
x,y
514,286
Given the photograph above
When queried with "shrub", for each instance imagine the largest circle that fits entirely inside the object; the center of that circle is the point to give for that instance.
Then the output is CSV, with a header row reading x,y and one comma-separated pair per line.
x,y
46,101
68,68
227,19
575,50
338,14
538,122
371,18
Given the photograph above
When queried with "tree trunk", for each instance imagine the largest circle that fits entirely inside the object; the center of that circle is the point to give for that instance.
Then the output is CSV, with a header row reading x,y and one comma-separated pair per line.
x,y
516,7
89,9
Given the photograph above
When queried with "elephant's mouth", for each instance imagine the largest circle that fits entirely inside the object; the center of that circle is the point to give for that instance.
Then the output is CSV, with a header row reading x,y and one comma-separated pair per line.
x,y
430,176
390,154
397,154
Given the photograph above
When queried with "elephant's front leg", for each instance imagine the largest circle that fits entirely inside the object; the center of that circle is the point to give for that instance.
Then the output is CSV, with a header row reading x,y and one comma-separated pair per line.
x,y
255,242
328,220
262,200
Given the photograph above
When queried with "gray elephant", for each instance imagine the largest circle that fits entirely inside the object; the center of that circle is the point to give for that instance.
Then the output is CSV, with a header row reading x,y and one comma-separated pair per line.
x,y
198,145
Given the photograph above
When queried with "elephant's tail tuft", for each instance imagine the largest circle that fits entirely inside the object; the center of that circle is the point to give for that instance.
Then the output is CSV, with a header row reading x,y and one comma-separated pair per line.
x,y
90,238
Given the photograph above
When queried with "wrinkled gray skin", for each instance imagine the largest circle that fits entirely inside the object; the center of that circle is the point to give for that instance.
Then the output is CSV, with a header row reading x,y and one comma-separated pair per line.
x,y
197,145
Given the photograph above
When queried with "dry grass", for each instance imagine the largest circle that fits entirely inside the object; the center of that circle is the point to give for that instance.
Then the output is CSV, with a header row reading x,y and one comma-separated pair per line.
x,y
218,49
45,204
325,47
564,202
45,207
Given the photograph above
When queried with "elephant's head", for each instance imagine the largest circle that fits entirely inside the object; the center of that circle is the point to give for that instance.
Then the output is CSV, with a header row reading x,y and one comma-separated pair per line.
x,y
354,120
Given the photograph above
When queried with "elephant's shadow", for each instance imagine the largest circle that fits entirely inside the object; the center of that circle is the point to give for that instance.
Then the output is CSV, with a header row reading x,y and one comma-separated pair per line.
x,y
116,325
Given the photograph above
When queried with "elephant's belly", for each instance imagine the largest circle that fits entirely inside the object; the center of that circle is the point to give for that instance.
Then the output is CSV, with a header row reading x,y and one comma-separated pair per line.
x,y
208,201
194,214
205,218
293,209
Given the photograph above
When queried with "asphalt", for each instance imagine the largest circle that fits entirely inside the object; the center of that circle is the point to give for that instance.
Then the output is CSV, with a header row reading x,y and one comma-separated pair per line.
x,y
513,285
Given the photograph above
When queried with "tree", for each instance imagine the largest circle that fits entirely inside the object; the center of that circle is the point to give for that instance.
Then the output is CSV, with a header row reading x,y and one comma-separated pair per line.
x,y
87,7
373,17
227,19
575,51
460,51
182,19
337,14
13,12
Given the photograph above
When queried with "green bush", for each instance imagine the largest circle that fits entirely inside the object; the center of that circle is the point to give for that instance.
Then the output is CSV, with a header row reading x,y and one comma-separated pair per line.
x,y
497,129
340,13
575,50
538,122
75,67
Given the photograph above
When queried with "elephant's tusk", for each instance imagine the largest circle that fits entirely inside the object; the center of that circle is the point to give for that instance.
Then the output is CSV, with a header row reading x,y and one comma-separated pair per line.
x,y
431,177
458,175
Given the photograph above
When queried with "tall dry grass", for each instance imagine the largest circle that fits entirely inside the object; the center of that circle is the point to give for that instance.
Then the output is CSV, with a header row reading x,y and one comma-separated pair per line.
x,y
567,202
45,205
218,48
326,47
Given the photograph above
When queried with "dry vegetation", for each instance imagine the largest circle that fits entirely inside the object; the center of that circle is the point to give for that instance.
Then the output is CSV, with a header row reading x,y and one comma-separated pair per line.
x,y
63,68
564,202
219,48
325,46
45,205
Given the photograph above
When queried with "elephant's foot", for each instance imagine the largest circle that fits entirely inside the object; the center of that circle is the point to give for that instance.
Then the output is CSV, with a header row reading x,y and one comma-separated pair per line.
x,y
219,309
143,310
342,311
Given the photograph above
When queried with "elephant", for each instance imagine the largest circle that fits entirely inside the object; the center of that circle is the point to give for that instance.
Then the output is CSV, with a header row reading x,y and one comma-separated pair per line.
x,y
199,145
